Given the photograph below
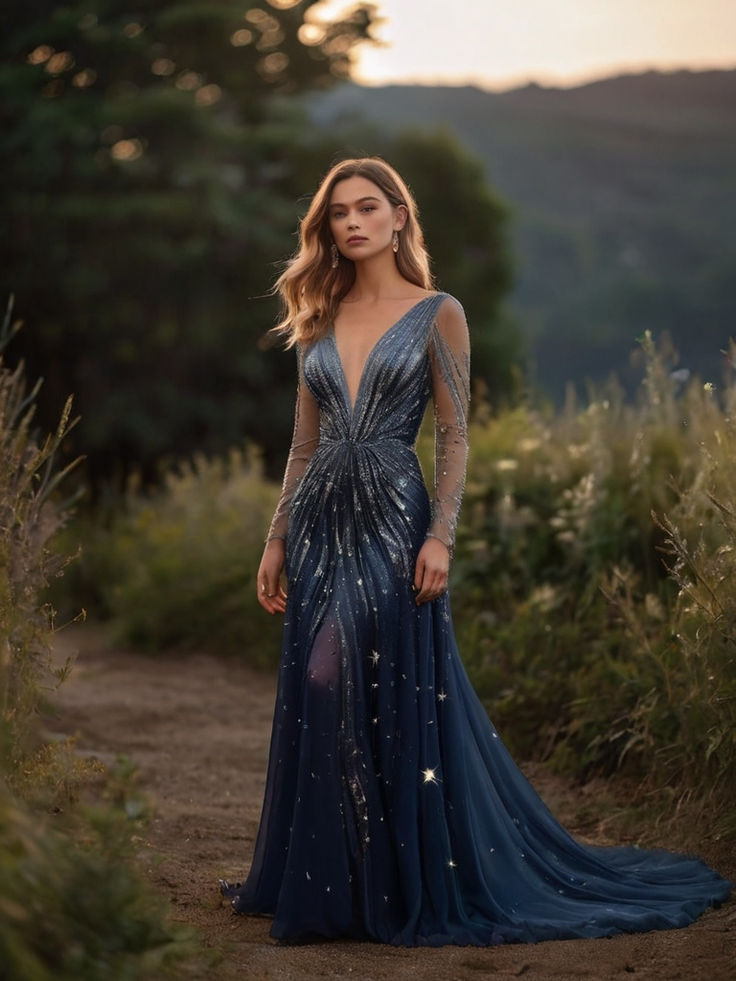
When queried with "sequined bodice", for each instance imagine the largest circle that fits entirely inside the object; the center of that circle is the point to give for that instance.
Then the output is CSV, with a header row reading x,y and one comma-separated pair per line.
x,y
365,450
393,391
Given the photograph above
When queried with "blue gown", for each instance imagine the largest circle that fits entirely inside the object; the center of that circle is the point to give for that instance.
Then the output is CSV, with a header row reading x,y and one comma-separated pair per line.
x,y
393,812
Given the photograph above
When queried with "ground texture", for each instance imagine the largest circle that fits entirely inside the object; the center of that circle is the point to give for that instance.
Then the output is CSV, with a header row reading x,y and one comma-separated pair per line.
x,y
198,728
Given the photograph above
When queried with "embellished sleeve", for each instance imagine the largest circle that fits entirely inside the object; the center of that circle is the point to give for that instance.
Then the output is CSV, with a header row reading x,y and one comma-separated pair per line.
x,y
303,444
449,356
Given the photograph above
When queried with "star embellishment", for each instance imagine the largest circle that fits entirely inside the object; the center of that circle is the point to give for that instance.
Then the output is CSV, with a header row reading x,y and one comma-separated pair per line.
x,y
430,775
375,657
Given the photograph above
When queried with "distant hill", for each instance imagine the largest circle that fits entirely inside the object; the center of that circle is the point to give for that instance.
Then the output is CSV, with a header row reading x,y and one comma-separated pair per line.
x,y
624,200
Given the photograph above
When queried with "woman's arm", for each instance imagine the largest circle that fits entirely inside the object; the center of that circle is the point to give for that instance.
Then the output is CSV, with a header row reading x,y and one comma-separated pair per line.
x,y
305,438
449,354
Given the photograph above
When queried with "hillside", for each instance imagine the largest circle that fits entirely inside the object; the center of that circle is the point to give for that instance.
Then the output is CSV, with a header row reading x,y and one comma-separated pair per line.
x,y
624,200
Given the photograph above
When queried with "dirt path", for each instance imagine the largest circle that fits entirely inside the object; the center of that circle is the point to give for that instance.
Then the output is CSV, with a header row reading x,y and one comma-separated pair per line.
x,y
198,730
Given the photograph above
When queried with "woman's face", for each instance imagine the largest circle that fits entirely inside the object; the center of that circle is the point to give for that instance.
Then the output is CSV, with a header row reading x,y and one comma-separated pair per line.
x,y
362,219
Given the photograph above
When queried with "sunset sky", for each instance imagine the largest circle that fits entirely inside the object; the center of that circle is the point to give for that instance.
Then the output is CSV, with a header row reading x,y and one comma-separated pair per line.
x,y
500,43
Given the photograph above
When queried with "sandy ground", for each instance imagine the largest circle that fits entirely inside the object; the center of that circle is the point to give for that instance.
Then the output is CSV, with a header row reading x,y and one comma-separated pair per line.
x,y
198,730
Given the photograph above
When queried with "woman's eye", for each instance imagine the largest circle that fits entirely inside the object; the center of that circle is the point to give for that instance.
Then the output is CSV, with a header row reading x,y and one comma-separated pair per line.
x,y
368,207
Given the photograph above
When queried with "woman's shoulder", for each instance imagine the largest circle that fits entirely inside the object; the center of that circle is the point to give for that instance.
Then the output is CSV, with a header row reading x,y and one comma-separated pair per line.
x,y
427,294
449,309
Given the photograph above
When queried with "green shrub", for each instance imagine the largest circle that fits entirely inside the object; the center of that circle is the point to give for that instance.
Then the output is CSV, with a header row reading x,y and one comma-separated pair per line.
x,y
177,567
594,588
72,906
682,724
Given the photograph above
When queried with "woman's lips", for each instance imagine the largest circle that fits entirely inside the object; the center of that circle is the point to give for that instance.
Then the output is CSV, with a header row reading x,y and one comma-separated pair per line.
x,y
356,238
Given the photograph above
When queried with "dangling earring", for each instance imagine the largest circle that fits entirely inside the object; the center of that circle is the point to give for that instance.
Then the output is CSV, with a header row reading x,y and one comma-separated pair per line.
x,y
395,242
335,257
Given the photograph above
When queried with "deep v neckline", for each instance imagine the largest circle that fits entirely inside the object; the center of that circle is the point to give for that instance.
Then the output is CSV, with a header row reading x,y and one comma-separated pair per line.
x,y
352,405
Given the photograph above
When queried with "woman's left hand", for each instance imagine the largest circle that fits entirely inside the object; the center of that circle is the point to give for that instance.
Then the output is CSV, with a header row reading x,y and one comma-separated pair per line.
x,y
433,566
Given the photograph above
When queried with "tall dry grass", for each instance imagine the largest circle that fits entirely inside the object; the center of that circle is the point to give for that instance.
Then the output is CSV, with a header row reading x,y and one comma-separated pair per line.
x,y
73,903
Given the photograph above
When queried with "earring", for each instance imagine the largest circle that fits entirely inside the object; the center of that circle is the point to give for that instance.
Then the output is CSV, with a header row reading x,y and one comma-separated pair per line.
x,y
395,242
334,256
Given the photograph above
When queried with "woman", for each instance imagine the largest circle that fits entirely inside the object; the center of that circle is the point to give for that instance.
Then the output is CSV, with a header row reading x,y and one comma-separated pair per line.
x,y
392,810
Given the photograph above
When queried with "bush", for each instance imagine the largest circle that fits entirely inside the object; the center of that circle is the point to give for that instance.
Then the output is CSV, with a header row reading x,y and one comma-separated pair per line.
x,y
682,724
177,567
72,905
594,588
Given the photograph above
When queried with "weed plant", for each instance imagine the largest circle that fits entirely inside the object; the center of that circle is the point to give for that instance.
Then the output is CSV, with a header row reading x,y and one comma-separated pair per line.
x,y
29,516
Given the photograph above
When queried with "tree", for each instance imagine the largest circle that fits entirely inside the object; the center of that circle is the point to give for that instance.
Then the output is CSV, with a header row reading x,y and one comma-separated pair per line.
x,y
158,163
153,166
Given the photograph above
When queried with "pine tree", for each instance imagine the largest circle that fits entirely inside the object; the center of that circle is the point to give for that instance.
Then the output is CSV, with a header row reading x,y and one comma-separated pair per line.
x,y
152,167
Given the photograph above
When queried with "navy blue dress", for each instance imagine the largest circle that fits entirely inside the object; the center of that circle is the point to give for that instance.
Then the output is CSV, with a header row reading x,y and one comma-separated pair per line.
x,y
393,812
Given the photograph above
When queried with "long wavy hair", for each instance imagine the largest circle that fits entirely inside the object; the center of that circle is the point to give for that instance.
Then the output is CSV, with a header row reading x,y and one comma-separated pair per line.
x,y
310,289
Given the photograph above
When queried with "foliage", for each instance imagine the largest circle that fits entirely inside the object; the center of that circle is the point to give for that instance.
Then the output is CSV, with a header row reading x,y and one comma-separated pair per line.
x,y
587,647
73,906
177,566
29,516
688,652
151,173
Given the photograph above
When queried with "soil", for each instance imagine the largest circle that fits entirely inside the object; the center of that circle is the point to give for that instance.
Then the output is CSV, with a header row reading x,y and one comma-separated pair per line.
x,y
198,728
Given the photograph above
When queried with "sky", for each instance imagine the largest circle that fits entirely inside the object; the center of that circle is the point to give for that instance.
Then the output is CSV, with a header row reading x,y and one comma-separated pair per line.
x,y
497,44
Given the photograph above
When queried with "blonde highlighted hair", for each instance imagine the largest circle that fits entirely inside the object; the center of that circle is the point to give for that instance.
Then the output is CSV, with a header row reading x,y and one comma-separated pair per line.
x,y
310,289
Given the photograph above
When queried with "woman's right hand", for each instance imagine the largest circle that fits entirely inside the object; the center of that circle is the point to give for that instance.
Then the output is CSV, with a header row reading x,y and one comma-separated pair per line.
x,y
271,593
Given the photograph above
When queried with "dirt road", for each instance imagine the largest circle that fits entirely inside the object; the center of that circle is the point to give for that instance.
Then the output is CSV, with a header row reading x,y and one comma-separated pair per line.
x,y
198,729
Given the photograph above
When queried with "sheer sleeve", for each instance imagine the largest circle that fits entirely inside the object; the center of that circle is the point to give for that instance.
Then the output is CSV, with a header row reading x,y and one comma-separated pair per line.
x,y
449,354
303,444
